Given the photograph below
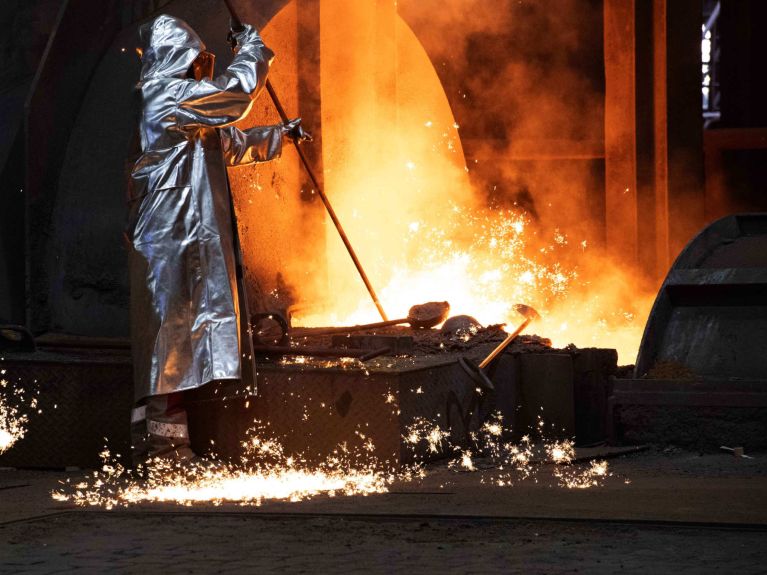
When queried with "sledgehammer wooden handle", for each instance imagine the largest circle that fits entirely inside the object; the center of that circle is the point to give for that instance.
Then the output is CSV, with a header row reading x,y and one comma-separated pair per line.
x,y
529,314
504,344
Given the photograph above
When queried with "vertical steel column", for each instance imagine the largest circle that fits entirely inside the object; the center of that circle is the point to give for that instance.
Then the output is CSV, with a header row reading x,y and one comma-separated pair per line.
x,y
621,224
660,140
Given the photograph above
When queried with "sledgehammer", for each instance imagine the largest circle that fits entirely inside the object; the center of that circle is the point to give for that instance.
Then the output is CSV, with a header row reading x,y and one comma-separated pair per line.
x,y
476,372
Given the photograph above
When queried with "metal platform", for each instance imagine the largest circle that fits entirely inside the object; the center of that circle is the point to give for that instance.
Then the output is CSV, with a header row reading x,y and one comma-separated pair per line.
x,y
313,409
83,404
86,394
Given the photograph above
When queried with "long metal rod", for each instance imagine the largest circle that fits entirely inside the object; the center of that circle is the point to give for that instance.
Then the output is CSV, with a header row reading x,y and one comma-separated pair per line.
x,y
329,208
236,22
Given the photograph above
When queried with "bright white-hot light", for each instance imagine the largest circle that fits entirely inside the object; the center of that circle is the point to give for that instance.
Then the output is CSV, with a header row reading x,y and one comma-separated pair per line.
x,y
485,262
527,277
6,439
265,472
15,406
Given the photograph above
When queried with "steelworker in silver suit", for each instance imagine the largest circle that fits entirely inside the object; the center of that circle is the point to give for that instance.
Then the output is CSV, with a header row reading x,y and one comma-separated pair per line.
x,y
184,305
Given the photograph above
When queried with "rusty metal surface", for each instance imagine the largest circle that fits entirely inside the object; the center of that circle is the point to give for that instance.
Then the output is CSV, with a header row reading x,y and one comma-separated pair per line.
x,y
546,391
592,372
313,408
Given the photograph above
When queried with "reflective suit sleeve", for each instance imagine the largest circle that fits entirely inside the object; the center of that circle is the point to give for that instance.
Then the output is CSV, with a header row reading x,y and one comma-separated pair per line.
x,y
228,97
259,144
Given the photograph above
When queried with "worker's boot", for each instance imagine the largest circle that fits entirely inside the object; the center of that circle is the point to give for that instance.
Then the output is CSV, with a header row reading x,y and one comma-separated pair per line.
x,y
159,430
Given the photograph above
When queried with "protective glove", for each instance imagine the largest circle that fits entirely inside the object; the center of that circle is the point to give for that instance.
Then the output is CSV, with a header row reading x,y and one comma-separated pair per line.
x,y
237,33
295,131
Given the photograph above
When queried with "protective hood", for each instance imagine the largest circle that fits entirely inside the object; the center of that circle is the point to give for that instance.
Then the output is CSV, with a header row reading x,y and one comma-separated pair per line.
x,y
169,47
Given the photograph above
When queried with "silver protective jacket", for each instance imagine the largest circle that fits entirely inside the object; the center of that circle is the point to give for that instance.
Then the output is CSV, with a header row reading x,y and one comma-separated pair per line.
x,y
184,306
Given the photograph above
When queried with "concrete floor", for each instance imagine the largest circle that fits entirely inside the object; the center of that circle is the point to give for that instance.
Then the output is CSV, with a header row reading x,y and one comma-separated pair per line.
x,y
680,512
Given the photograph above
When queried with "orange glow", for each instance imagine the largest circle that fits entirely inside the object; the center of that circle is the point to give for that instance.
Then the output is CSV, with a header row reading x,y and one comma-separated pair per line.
x,y
395,172
265,472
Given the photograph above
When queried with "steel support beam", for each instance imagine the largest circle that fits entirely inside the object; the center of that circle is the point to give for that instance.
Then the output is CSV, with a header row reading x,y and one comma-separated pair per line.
x,y
621,225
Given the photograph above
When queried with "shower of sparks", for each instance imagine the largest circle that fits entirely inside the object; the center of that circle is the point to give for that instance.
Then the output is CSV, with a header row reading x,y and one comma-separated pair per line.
x,y
266,472
592,476
504,463
560,451
263,473
422,431
484,260
15,407
466,461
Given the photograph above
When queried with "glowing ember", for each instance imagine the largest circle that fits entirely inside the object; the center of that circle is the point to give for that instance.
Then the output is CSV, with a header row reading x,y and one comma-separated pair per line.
x,y
561,452
466,462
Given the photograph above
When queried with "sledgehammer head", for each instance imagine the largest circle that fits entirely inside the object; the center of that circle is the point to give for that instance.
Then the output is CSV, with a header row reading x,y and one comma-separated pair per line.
x,y
527,312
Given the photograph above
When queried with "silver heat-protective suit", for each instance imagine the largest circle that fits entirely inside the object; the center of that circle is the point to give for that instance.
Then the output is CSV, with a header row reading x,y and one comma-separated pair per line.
x,y
184,304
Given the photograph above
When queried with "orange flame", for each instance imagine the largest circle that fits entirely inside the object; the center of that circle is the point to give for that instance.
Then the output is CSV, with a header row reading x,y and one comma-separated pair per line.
x,y
395,172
